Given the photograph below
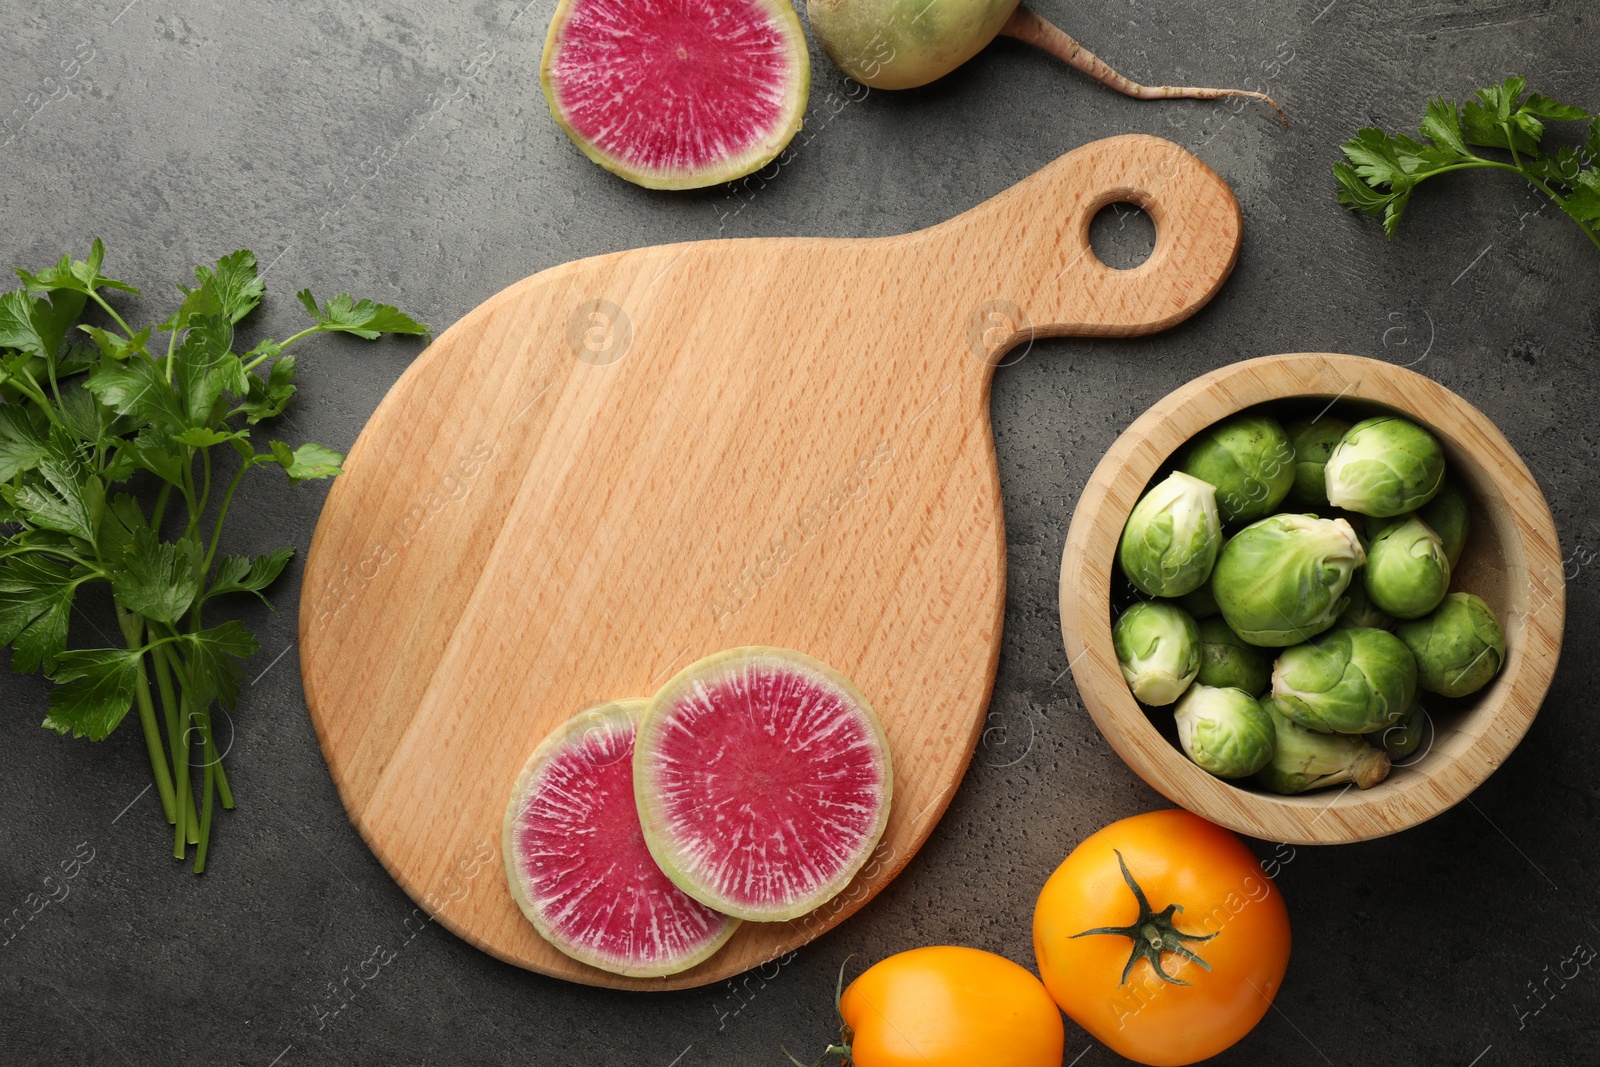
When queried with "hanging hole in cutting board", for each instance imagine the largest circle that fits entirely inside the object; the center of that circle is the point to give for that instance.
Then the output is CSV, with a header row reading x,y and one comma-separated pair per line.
x,y
1122,235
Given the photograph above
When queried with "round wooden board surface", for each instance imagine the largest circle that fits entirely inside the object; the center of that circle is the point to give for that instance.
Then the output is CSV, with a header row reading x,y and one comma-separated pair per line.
x,y
620,465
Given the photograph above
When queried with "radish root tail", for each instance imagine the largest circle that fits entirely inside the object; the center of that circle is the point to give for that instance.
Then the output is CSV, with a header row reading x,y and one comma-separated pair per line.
x,y
1025,25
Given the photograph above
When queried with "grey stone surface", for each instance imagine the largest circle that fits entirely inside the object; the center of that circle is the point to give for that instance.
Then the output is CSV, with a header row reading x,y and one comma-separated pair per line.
x,y
401,149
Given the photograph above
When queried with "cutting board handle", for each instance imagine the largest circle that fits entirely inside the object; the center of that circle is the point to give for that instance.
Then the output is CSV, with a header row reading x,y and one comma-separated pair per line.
x,y
1044,279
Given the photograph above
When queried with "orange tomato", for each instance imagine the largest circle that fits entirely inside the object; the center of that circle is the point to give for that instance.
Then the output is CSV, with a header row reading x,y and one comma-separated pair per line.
x,y
951,1007
1210,918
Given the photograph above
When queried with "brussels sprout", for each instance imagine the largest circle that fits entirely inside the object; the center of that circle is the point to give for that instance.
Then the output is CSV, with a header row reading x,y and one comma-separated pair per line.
x,y
1158,648
1346,682
1361,611
1446,514
1250,461
1313,441
1224,731
1303,760
1200,604
1402,737
1384,466
1228,662
1407,570
1282,580
1171,539
1458,648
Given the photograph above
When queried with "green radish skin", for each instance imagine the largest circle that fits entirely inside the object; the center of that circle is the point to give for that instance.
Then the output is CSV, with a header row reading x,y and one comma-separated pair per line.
x,y
901,44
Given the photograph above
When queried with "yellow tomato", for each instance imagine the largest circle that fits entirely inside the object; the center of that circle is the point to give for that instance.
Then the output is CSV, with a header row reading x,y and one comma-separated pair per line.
x,y
951,1007
1167,889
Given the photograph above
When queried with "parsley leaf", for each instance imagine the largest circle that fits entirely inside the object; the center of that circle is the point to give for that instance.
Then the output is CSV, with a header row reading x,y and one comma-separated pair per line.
x,y
307,462
267,398
35,603
74,275
235,283
139,390
37,326
94,690
360,317
156,451
214,654
237,574
1380,170
21,444
205,367
157,579
60,502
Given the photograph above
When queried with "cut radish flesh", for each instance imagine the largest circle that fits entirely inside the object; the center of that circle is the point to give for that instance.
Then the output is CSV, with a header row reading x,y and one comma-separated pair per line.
x,y
577,861
763,781
677,94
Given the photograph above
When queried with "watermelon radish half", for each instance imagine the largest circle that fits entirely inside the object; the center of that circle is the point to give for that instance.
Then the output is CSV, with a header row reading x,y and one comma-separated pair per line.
x,y
577,862
763,782
677,94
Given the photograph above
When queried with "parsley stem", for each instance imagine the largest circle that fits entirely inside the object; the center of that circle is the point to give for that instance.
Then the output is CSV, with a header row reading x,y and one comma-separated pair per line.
x,y
214,761
207,789
1479,163
133,630
94,294
160,508
180,757
222,513
172,348
224,792
34,393
307,332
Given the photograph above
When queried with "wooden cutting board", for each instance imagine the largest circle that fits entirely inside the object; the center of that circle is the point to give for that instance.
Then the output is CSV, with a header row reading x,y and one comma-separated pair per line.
x,y
622,464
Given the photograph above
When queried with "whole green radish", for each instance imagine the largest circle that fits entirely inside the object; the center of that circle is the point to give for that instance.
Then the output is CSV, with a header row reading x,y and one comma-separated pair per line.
x,y
900,44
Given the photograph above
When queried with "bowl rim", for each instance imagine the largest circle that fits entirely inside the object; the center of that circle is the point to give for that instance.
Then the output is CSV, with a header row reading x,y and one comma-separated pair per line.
x,y
1533,619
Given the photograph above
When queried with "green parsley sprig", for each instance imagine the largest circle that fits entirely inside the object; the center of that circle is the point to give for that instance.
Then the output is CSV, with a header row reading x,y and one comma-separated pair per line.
x,y
119,459
1383,169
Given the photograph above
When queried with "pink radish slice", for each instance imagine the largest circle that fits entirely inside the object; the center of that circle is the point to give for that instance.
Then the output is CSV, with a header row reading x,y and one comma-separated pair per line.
x,y
763,781
677,94
577,861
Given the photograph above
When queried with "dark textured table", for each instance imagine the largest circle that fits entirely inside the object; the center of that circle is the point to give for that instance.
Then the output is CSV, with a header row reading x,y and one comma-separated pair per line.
x,y
401,149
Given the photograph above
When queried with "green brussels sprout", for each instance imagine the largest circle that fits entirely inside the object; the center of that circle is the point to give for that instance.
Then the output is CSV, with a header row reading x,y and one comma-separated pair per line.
x,y
1445,514
1282,580
1224,731
1250,461
1346,682
1384,466
1303,760
1407,570
1361,611
1158,648
1200,604
1313,441
1172,536
1401,738
1227,661
1458,648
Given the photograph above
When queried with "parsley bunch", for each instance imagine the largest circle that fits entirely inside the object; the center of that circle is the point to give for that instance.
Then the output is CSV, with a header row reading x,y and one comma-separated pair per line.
x,y
1383,169
119,458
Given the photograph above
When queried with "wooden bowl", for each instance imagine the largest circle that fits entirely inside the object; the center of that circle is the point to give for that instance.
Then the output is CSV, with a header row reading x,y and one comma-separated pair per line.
x,y
1512,560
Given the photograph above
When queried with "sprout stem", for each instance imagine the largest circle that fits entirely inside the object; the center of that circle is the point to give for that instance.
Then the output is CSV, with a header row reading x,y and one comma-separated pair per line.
x,y
1026,25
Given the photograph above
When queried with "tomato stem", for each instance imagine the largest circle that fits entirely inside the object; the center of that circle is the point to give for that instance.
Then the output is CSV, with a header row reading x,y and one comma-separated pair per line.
x,y
846,1035
1152,933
